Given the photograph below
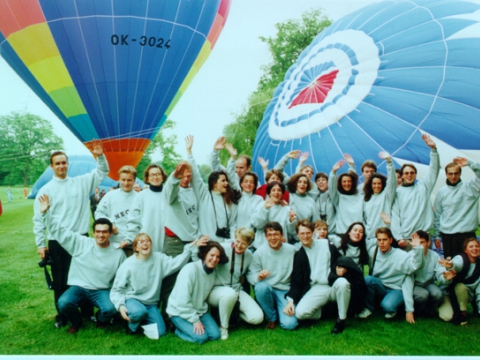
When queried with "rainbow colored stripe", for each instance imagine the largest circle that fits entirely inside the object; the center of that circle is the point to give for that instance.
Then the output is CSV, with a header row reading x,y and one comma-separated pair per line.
x,y
104,68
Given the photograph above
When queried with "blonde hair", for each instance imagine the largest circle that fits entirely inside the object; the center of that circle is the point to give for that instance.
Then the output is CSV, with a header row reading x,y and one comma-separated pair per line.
x,y
246,234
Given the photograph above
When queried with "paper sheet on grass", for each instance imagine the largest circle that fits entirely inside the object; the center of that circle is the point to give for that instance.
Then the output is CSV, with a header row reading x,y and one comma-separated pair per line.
x,y
151,331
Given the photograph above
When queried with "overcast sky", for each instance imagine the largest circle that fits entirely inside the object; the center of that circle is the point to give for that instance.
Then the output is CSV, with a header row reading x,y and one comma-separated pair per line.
x,y
221,88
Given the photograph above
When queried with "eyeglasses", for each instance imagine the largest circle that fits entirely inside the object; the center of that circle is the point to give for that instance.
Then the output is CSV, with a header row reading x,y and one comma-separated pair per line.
x,y
156,175
409,173
143,241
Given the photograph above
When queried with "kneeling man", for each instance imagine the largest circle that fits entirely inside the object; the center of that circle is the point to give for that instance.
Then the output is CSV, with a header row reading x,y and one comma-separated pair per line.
x,y
310,289
269,273
390,278
92,271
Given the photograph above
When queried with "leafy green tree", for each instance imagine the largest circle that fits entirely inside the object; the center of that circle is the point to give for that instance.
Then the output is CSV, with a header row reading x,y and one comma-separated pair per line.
x,y
166,145
292,37
26,141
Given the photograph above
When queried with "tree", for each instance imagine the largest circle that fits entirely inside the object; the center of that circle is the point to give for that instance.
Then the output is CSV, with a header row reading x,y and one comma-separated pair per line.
x,y
26,141
166,145
292,37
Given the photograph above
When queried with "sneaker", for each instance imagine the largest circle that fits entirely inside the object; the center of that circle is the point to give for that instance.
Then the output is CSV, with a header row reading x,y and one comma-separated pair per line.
x,y
339,327
93,319
72,330
60,323
459,319
390,315
271,325
224,333
365,313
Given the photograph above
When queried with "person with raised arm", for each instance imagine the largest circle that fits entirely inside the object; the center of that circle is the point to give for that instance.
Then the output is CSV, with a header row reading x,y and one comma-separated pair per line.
x,y
71,208
456,207
412,208
93,267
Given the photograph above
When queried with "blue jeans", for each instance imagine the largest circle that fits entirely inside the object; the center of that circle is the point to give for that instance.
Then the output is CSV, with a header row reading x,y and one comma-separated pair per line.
x,y
70,300
138,312
391,299
185,329
271,301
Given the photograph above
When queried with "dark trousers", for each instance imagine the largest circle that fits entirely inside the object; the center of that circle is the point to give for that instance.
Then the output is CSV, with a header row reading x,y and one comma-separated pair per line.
x,y
60,266
173,246
453,243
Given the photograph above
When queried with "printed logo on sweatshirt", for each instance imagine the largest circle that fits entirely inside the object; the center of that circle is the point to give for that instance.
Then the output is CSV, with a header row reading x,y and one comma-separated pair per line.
x,y
190,210
121,214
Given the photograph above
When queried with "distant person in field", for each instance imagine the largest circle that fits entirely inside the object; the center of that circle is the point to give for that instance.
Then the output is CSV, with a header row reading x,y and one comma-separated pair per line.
x,y
70,207
94,265
9,194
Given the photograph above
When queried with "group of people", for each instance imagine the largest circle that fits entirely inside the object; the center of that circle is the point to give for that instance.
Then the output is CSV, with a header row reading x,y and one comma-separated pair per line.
x,y
181,250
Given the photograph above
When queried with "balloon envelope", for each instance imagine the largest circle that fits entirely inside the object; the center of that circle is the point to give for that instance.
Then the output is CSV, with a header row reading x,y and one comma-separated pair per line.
x,y
110,70
375,80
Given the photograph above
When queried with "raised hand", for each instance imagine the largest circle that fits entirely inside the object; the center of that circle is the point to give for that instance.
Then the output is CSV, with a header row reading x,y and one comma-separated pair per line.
x,y
385,156
231,150
189,144
338,165
263,163
304,157
430,143
460,161
294,154
385,217
220,143
349,159
44,203
179,170
96,147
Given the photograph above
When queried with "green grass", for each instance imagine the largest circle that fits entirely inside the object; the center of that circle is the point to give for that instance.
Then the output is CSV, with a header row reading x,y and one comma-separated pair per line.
x,y
27,317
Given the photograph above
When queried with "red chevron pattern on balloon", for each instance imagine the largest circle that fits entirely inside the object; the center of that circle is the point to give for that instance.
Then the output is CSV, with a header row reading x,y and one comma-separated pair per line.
x,y
317,91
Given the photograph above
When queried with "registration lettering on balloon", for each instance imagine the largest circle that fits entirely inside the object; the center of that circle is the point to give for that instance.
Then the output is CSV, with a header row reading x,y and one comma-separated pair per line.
x,y
375,80
103,67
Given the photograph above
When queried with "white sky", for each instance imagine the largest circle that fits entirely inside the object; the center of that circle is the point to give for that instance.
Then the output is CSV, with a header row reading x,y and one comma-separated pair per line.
x,y
222,86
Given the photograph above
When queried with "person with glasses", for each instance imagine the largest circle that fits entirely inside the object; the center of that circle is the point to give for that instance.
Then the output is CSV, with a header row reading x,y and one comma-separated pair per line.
x,y
136,289
147,213
412,208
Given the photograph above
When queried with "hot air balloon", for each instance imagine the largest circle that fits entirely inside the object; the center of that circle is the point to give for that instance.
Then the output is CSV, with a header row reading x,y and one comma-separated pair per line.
x,y
110,70
375,80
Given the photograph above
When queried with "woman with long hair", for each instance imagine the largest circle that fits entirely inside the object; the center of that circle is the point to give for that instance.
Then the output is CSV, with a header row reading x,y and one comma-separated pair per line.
x,y
353,244
187,305
379,193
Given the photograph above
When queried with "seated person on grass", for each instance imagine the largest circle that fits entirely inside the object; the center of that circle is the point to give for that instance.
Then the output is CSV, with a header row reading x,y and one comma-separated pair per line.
x,y
390,279
310,289
92,271
270,273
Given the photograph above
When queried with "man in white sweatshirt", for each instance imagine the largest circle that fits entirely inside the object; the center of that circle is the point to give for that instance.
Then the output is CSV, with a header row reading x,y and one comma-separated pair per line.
x,y
70,208
270,273
456,207
94,265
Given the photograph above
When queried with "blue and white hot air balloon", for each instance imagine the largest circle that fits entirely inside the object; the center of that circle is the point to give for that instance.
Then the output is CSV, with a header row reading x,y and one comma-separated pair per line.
x,y
377,79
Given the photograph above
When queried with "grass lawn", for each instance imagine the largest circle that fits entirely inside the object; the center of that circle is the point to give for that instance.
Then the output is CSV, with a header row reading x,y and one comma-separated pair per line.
x,y
27,317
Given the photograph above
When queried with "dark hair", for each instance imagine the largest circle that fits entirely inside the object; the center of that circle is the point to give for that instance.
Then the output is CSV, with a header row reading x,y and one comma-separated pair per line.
x,y
370,164
103,221
56,153
247,158
231,195
269,174
321,175
305,223
368,189
203,251
345,241
153,166
293,181
354,178
273,225
409,165
255,179
423,235
272,184
384,230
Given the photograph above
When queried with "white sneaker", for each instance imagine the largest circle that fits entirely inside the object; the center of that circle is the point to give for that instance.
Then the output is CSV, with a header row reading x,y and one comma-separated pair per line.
x,y
365,313
390,315
224,333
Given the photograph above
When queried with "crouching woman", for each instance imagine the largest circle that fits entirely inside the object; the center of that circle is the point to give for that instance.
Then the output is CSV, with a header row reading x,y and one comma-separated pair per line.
x,y
187,304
